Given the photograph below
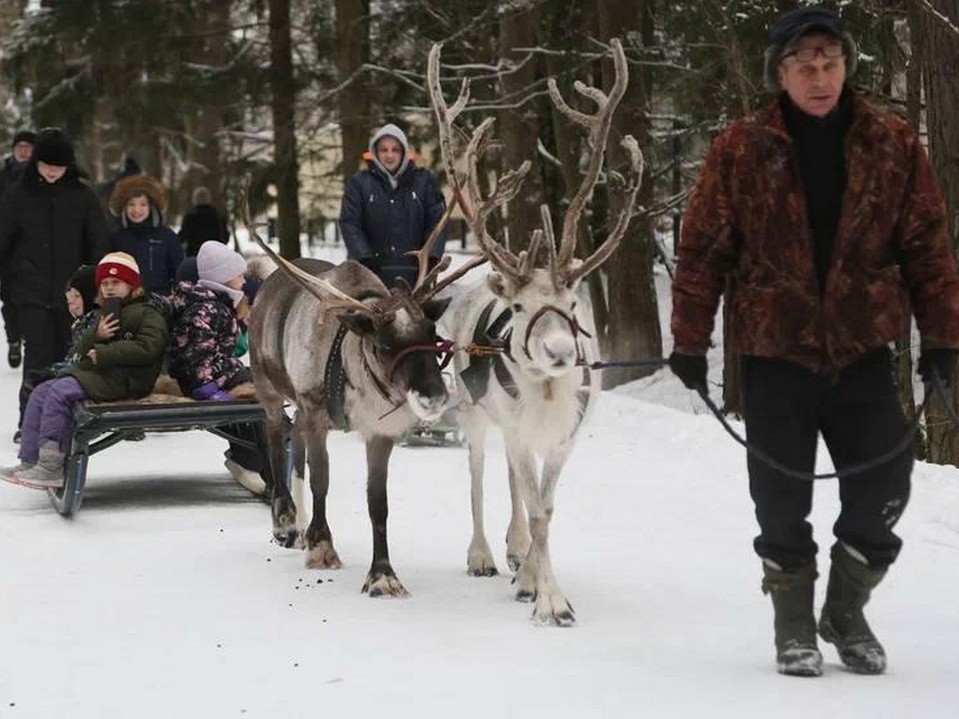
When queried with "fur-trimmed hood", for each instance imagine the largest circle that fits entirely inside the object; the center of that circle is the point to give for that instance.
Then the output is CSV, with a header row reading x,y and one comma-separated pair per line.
x,y
134,185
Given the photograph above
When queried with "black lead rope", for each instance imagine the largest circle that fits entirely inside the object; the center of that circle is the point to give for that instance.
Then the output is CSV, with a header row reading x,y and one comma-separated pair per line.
x,y
935,387
904,444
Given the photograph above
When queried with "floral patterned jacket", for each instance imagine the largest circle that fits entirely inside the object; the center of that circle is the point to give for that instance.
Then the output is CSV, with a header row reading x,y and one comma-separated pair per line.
x,y
204,332
746,221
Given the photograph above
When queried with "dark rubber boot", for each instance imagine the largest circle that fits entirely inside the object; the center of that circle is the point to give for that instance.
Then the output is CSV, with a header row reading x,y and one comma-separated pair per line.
x,y
851,581
795,622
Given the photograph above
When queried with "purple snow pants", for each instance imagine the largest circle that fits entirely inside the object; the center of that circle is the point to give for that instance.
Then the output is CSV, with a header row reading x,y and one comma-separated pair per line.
x,y
49,416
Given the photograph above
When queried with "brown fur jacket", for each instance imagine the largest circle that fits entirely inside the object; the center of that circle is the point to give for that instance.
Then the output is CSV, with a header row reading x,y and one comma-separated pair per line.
x,y
746,220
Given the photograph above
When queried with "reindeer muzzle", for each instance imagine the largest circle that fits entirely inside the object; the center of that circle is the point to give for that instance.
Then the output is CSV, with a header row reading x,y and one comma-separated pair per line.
x,y
570,320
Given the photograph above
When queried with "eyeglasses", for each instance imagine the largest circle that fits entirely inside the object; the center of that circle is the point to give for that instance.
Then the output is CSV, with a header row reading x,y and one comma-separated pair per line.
x,y
808,54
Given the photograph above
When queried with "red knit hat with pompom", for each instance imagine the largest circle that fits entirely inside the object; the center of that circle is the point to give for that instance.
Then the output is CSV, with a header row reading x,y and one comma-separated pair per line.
x,y
119,265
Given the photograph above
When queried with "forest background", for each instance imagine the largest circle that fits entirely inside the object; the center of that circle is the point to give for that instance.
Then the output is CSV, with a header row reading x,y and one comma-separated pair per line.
x,y
281,96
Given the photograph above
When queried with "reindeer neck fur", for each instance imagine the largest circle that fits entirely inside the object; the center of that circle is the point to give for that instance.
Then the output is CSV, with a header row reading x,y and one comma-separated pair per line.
x,y
372,411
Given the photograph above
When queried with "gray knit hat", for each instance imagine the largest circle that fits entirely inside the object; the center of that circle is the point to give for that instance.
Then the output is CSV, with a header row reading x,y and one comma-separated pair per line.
x,y
216,262
790,27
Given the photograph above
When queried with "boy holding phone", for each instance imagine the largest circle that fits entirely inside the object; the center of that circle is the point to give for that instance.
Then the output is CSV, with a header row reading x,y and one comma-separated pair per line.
x,y
120,358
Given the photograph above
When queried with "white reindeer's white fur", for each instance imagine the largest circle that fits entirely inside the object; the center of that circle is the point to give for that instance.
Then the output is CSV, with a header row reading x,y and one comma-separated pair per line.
x,y
542,423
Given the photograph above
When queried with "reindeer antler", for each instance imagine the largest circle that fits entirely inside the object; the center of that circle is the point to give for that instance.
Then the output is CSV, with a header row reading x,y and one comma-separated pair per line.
x,y
597,125
478,208
323,290
637,165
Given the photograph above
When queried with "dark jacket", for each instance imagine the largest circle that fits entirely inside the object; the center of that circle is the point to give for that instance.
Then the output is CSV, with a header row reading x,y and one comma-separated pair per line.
x,y
202,223
129,363
204,336
46,232
747,220
382,223
10,173
157,251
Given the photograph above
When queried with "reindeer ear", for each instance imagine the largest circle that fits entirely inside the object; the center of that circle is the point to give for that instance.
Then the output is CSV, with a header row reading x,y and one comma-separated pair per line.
x,y
434,309
357,322
500,285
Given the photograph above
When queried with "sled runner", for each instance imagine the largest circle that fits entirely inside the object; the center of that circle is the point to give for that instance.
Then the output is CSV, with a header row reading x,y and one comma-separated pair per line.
x,y
100,426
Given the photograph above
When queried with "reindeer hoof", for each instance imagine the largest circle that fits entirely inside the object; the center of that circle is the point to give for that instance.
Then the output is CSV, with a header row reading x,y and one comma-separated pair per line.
x,y
485,572
323,556
525,596
513,561
554,611
384,585
286,538
488,571
563,619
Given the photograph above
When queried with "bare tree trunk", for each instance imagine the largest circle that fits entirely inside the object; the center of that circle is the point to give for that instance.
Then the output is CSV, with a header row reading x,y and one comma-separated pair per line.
x,y
904,368
941,57
634,331
214,18
353,51
284,129
520,126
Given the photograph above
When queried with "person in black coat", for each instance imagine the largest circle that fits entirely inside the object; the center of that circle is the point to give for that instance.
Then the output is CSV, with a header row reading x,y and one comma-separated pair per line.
x,y
138,201
21,150
390,209
202,222
51,222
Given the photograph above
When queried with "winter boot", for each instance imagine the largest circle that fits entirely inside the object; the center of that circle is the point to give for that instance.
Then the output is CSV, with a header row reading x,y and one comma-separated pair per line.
x,y
47,473
795,622
14,354
248,479
851,581
7,473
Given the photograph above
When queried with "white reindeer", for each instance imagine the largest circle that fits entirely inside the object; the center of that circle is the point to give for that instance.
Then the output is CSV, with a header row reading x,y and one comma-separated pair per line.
x,y
536,387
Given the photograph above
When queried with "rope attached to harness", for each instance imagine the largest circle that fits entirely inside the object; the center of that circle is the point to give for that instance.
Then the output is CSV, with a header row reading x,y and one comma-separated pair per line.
x,y
935,387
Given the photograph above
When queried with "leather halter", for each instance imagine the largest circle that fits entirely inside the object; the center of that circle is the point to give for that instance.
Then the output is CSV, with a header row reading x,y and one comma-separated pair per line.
x,y
442,348
570,320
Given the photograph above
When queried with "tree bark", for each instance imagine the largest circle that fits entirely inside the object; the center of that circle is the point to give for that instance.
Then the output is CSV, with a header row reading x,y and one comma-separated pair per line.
x,y
940,60
904,367
214,31
519,127
634,331
284,129
353,51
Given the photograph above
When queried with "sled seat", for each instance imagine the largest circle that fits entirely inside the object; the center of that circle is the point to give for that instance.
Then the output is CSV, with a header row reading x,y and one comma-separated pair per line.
x,y
101,425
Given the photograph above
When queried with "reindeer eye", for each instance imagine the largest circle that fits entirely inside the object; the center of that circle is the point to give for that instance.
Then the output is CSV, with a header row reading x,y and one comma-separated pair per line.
x,y
517,307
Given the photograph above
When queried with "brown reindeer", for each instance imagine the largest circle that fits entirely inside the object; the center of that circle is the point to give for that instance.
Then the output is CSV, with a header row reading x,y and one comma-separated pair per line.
x,y
346,353
536,387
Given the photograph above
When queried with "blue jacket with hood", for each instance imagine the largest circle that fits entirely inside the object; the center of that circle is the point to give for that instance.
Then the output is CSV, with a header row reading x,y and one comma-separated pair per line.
x,y
385,215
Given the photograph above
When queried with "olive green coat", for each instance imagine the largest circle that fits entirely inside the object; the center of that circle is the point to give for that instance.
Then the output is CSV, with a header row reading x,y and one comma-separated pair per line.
x,y
129,363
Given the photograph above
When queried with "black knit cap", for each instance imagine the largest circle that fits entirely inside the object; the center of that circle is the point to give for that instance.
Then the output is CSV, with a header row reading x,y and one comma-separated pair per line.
x,y
792,25
24,136
54,147
83,281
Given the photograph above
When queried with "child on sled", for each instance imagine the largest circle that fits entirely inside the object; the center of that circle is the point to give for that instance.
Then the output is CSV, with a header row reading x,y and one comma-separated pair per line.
x,y
120,357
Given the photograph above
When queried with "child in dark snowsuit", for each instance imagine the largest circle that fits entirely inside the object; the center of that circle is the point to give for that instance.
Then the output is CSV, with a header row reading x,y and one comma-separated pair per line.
x,y
119,358
208,322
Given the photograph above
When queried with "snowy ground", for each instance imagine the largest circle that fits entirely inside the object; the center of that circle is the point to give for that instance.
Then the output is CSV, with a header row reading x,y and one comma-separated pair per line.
x,y
164,597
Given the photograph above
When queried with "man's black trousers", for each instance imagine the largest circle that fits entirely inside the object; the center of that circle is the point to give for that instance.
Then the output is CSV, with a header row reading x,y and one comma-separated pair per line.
x,y
786,407
46,339
11,314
